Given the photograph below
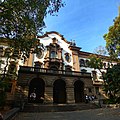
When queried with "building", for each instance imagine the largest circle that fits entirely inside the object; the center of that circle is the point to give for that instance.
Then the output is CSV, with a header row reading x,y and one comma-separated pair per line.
x,y
57,73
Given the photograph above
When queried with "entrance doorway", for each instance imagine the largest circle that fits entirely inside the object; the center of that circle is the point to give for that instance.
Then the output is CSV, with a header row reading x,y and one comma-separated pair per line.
x,y
36,86
79,91
59,92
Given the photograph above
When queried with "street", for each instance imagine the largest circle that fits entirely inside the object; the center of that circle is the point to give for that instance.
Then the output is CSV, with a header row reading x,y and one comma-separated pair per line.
x,y
93,114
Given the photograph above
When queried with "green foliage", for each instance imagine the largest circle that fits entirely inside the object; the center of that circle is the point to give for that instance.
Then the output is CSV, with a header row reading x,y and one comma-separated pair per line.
x,y
112,39
95,62
112,81
21,20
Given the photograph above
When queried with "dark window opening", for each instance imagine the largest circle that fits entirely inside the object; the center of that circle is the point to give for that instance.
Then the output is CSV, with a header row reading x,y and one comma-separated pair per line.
x,y
104,65
87,63
82,63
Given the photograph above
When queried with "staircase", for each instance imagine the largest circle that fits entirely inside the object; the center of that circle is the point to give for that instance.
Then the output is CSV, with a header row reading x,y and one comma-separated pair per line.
x,y
32,107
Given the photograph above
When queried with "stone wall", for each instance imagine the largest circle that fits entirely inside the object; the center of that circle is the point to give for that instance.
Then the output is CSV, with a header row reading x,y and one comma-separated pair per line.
x,y
49,79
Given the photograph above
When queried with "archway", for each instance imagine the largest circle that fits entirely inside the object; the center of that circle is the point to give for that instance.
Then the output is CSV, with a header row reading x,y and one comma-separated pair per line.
x,y
59,92
37,86
79,91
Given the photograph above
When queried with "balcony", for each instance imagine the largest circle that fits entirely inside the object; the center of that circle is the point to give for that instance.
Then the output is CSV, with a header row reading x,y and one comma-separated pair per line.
x,y
97,82
25,69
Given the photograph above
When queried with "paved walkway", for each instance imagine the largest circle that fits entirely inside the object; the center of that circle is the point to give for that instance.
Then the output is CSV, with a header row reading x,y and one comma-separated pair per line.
x,y
93,114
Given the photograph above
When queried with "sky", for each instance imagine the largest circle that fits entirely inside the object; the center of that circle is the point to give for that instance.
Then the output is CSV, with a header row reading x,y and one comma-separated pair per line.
x,y
85,21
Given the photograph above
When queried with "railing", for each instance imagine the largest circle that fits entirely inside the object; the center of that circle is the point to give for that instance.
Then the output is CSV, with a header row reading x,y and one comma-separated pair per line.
x,y
98,82
44,70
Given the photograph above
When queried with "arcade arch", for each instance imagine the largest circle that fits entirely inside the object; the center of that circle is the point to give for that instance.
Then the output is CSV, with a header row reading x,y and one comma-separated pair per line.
x,y
59,91
37,86
79,91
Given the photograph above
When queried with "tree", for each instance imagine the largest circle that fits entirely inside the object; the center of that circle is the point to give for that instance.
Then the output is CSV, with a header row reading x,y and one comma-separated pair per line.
x,y
95,61
20,22
112,82
100,50
111,78
112,39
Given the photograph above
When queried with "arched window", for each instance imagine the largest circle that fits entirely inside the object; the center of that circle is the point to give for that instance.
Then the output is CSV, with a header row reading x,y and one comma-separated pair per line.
x,y
104,65
53,54
111,65
87,63
82,63
108,65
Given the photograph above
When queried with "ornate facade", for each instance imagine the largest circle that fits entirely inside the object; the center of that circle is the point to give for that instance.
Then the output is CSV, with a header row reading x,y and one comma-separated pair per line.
x,y
54,72
57,73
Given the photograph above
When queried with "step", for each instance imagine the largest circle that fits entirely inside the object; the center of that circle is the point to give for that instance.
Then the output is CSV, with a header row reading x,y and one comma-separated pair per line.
x,y
58,107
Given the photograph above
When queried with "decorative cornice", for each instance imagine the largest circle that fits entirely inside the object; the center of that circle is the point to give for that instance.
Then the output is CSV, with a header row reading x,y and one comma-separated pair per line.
x,y
53,32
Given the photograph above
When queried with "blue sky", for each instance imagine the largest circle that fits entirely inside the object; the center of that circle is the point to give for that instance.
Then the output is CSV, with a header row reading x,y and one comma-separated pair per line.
x,y
85,21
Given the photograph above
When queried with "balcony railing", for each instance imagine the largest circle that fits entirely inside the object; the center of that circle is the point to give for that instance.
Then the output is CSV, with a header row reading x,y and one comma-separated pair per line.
x,y
97,82
50,71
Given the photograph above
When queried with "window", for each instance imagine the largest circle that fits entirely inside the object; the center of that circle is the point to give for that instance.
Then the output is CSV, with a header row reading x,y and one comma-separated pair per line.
x,y
53,54
87,63
111,65
82,63
108,65
67,57
40,54
104,65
